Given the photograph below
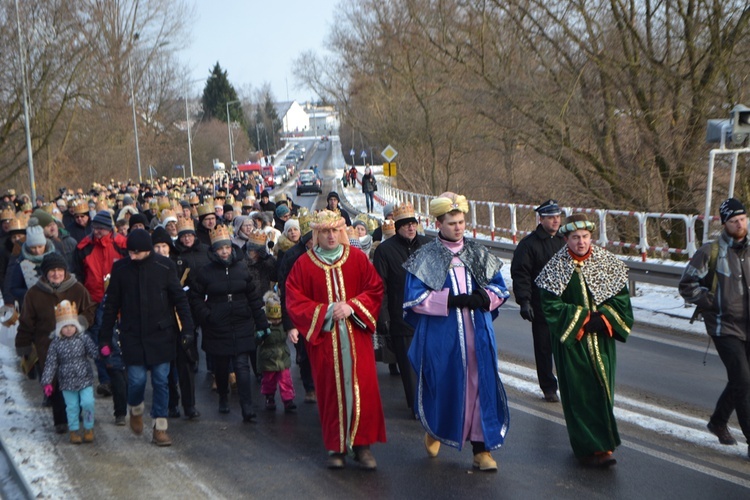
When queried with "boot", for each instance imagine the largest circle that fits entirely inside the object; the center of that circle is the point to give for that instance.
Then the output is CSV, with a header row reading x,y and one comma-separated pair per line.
x,y
270,402
136,419
88,435
75,437
432,446
484,462
160,433
289,406
223,403
364,456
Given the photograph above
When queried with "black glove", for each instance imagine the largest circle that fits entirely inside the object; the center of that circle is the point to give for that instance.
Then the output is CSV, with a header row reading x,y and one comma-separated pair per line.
x,y
476,300
527,312
595,324
186,340
460,300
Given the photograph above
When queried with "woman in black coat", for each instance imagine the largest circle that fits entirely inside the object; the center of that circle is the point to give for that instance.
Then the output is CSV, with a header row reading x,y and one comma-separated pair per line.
x,y
230,310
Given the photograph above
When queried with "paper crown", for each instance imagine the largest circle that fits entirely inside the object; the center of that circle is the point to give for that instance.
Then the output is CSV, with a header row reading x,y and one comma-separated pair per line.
x,y
229,200
206,208
168,215
326,219
220,233
185,224
304,219
257,237
7,214
404,211
248,202
153,204
273,305
66,311
193,199
81,207
17,225
237,207
102,205
27,207
164,203
389,228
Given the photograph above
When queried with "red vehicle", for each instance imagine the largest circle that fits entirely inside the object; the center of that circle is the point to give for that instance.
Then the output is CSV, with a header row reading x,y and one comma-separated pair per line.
x,y
267,174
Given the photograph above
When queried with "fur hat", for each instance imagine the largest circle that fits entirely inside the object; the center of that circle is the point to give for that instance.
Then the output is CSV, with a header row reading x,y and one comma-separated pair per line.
x,y
138,219
66,313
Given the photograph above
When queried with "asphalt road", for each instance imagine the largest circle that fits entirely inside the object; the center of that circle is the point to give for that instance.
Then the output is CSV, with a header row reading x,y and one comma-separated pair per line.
x,y
282,455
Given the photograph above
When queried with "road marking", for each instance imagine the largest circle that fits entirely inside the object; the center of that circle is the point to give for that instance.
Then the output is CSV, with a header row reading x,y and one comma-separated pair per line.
x,y
676,343
709,471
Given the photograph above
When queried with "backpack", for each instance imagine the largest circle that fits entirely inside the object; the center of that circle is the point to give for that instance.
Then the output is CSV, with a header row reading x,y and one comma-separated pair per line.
x,y
710,277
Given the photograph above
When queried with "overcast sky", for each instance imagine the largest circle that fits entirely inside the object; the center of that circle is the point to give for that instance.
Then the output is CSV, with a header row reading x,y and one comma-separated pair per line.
x,y
256,41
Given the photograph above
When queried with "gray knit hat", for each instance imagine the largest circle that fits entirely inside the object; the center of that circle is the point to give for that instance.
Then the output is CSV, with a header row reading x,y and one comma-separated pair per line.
x,y
35,236
103,219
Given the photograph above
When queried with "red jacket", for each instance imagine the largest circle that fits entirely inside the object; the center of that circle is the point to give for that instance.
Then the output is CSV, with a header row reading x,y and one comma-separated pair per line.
x,y
94,259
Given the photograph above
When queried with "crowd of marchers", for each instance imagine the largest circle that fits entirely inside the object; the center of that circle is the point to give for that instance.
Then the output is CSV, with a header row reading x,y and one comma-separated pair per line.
x,y
126,280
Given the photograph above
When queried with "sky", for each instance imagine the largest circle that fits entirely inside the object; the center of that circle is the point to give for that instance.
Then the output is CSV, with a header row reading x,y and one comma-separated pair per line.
x,y
256,41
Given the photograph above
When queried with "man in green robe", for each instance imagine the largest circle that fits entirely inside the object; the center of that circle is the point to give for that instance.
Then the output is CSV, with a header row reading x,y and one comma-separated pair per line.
x,y
584,295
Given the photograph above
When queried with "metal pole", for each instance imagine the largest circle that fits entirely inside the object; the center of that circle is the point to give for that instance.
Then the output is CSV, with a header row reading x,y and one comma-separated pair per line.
x,y
135,123
27,126
229,130
709,192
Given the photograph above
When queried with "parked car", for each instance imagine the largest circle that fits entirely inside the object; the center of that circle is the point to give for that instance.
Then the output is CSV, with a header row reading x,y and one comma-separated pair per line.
x,y
280,174
308,182
290,166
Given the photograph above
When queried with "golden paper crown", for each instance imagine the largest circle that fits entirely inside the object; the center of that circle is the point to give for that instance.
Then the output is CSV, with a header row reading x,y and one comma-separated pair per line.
x,y
404,211
326,219
101,205
206,208
389,228
120,196
237,207
167,213
304,219
257,237
7,214
249,201
185,224
164,203
66,311
448,202
153,204
27,207
229,200
370,223
220,233
193,199
273,305
18,225
81,207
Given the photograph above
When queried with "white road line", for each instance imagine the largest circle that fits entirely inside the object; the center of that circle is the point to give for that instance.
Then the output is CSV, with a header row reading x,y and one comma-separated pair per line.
x,y
676,343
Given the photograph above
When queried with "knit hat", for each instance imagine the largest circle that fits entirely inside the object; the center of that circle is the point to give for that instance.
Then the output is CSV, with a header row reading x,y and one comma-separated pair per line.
x,y
160,235
290,224
44,218
139,241
66,313
103,220
333,194
138,219
35,236
265,194
53,260
127,200
388,209
359,223
228,208
729,208
282,210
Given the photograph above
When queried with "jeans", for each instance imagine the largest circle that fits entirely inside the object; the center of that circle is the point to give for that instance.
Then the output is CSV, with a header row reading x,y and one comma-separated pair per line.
x,y
735,354
369,200
77,401
159,384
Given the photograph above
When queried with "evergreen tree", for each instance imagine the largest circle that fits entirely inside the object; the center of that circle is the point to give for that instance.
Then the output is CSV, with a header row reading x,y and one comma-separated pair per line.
x,y
216,94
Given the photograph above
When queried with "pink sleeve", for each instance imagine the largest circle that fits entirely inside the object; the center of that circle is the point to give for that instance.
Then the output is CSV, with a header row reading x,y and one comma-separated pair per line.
x,y
495,301
436,304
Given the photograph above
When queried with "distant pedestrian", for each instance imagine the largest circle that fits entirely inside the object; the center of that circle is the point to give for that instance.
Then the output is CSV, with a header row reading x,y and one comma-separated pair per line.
x,y
369,186
530,256
585,299
716,281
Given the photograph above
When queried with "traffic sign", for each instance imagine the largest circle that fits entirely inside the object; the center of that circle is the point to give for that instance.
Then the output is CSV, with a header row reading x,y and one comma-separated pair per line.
x,y
389,169
363,154
351,153
389,153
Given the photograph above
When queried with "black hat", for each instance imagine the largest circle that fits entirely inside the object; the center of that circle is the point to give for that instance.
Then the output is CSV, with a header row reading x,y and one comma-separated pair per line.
x,y
160,235
548,208
53,261
333,194
228,208
140,241
137,219
265,194
731,207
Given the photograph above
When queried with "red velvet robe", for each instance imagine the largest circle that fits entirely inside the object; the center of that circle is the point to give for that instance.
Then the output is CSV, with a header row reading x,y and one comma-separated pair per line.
x,y
310,289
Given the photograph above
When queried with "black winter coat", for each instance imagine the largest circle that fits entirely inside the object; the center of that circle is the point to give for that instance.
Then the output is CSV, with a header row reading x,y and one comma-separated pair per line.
x,y
531,255
389,260
228,306
193,258
283,268
146,294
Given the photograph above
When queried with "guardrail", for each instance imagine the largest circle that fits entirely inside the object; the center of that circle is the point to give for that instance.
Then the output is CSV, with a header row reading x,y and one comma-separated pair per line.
x,y
13,486
484,216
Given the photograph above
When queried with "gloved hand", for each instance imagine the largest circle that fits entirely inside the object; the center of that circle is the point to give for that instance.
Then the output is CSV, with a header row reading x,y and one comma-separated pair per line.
x,y
527,312
595,324
106,351
48,390
460,300
187,339
261,335
477,299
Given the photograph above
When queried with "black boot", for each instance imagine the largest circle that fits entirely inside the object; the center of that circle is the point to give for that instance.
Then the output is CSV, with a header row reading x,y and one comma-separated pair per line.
x,y
223,403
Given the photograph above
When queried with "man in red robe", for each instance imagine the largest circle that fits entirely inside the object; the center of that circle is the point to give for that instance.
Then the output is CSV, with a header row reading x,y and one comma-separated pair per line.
x,y
333,297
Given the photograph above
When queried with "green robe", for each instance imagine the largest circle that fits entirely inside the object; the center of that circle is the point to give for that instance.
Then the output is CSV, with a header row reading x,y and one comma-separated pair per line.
x,y
586,367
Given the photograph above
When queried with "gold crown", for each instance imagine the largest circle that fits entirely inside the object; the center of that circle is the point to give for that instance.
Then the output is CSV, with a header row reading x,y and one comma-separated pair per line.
x,y
167,213
370,223
164,203
389,228
66,311
7,214
273,305
305,218
230,199
153,204
27,207
120,196
185,224
219,233
404,211
249,201
206,208
18,225
193,199
102,205
257,237
81,207
326,219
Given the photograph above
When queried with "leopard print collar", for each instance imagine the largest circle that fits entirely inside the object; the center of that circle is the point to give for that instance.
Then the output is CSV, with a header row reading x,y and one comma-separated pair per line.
x,y
604,274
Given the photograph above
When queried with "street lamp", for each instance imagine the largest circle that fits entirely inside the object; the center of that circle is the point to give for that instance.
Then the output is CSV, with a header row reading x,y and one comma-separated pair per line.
x,y
135,122
187,118
27,126
229,129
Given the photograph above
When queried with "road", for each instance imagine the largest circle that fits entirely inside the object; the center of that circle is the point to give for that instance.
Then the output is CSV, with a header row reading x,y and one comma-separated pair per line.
x,y
282,454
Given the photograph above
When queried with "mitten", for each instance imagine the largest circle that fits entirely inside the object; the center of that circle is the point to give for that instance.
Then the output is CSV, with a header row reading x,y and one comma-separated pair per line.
x,y
48,390
595,324
106,351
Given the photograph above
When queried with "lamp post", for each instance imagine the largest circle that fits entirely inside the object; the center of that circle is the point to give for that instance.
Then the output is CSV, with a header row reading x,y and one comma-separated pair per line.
x,y
229,129
27,126
190,140
135,122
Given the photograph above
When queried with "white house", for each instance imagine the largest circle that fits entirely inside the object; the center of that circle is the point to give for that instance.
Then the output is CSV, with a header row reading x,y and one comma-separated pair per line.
x,y
293,117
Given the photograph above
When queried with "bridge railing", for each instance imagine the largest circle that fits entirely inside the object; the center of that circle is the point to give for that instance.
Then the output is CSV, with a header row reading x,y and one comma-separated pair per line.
x,y
616,228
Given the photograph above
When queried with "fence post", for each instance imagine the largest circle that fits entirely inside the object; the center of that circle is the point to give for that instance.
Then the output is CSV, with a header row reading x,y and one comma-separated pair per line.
x,y
513,223
642,234
473,217
491,206
603,240
690,234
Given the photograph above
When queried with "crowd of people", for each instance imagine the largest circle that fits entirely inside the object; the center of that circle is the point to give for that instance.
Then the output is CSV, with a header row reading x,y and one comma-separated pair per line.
x,y
152,278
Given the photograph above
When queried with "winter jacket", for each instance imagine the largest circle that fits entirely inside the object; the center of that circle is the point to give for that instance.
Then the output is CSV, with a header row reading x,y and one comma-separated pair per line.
x,y
273,354
192,258
202,234
78,232
726,311
228,306
26,272
284,266
68,359
262,272
531,255
66,246
368,183
146,294
389,259
37,318
94,259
